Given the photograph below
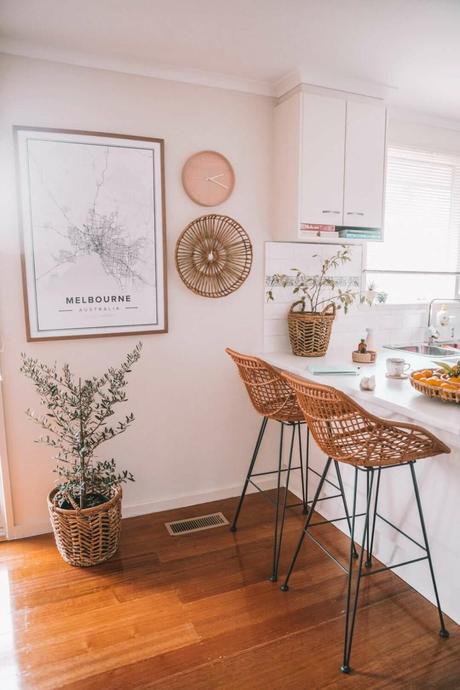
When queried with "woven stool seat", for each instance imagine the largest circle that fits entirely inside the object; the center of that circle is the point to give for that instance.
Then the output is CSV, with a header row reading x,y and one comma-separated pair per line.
x,y
269,393
350,434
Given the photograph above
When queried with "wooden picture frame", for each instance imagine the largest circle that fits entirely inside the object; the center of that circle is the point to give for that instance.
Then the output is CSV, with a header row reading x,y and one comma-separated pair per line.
x,y
93,228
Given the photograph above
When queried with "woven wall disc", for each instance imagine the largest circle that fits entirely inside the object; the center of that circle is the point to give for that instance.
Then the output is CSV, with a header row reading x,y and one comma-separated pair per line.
x,y
213,255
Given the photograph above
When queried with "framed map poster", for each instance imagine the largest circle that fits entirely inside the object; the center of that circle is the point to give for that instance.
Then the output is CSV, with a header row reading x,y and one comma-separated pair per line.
x,y
93,230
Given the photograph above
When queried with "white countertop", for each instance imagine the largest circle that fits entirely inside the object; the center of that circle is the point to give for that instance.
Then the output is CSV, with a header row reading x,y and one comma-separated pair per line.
x,y
397,396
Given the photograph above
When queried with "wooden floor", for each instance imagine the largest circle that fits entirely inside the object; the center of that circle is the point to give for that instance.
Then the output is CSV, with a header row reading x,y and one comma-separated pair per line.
x,y
198,611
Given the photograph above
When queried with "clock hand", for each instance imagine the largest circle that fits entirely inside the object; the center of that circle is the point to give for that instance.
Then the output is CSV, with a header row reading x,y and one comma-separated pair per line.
x,y
210,179
214,177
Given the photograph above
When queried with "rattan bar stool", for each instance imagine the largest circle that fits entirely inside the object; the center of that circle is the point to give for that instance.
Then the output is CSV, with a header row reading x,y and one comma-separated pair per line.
x,y
274,399
347,433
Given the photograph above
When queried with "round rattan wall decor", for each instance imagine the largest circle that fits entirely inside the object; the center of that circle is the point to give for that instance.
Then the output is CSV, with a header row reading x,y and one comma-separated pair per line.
x,y
213,255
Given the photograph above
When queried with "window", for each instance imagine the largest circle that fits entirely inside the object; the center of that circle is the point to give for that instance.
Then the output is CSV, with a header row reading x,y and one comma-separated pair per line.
x,y
419,257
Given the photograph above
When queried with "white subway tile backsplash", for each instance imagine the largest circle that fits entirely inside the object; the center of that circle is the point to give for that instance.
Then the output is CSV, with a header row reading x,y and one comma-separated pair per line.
x,y
275,327
280,295
276,310
276,343
415,319
279,250
284,266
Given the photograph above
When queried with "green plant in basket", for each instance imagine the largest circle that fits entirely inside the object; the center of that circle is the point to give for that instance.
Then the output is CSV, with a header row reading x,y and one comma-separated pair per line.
x,y
315,291
75,425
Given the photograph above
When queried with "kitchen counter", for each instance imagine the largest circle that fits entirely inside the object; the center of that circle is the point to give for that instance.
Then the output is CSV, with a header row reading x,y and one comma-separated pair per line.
x,y
396,396
438,478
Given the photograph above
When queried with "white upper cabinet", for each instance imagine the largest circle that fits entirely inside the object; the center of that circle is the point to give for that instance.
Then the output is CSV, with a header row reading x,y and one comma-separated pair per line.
x,y
364,165
329,161
322,159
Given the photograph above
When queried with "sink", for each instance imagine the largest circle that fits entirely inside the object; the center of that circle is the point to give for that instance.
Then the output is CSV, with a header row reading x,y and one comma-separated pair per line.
x,y
427,350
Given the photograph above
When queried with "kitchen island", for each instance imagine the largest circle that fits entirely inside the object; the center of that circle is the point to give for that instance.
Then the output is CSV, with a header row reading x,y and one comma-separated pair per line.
x,y
439,478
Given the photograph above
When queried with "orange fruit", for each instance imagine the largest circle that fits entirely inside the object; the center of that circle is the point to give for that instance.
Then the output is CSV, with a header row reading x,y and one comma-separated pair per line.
x,y
434,381
449,387
421,375
426,372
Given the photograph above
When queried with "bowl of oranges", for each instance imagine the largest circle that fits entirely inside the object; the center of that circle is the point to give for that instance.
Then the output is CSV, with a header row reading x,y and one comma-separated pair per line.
x,y
441,382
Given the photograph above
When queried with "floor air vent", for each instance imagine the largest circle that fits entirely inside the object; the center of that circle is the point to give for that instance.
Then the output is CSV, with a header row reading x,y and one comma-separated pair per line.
x,y
196,524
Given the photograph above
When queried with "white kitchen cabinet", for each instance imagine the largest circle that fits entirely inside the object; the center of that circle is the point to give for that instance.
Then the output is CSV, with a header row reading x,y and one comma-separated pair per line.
x,y
329,161
364,165
322,159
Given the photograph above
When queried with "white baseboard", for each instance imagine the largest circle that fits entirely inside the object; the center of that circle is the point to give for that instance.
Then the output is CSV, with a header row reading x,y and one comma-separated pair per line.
x,y
23,531
135,509
184,500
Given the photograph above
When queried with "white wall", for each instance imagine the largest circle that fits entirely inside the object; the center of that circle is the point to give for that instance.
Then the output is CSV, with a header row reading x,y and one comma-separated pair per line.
x,y
194,428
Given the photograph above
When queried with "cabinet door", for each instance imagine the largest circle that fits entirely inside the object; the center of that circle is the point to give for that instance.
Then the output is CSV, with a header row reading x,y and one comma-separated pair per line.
x,y
364,165
322,159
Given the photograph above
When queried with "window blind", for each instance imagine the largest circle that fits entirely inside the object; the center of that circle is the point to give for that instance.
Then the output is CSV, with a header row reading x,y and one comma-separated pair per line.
x,y
422,214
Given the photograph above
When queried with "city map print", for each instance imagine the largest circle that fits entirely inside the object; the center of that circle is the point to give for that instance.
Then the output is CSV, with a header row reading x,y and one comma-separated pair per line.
x,y
93,230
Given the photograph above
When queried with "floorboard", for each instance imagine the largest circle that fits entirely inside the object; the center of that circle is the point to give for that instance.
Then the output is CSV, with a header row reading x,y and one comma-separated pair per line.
x,y
198,612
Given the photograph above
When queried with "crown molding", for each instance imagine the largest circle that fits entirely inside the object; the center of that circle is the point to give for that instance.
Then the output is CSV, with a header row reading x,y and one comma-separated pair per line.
x,y
332,82
139,68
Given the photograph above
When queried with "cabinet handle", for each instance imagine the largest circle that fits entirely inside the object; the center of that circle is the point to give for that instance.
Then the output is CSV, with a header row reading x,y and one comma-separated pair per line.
x,y
330,211
355,213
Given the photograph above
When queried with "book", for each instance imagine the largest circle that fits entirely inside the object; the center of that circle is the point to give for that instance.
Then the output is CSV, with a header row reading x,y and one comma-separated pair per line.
x,y
337,369
317,227
365,233
352,236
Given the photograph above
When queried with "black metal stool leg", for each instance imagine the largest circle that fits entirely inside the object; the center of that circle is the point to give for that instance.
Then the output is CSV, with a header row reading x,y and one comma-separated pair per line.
x,y
370,549
302,484
344,500
279,537
248,476
304,480
368,536
350,620
277,509
443,632
284,586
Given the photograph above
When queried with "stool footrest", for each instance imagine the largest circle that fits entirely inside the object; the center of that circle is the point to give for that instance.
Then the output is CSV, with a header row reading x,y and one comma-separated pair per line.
x,y
401,532
391,567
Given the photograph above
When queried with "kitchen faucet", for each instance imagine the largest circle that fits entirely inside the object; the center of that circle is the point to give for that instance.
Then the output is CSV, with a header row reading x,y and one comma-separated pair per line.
x,y
433,333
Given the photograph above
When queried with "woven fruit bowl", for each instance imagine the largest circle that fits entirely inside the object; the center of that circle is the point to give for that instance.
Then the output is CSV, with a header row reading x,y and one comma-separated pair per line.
x,y
436,383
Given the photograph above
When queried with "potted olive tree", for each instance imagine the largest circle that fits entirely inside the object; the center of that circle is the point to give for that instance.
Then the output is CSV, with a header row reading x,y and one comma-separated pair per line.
x,y
85,506
311,316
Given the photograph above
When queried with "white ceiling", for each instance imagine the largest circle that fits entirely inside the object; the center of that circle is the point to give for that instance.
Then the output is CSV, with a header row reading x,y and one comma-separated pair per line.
x,y
409,50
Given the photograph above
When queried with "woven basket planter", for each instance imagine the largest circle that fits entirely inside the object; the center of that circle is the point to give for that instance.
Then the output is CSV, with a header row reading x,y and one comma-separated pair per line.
x,y
310,332
88,536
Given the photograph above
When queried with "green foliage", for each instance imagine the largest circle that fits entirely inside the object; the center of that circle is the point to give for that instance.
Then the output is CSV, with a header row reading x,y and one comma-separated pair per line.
x,y
310,290
450,370
75,424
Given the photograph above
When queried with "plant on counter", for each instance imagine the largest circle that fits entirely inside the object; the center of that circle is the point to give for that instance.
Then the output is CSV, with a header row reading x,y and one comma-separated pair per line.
x,y
311,290
85,507
318,297
375,295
